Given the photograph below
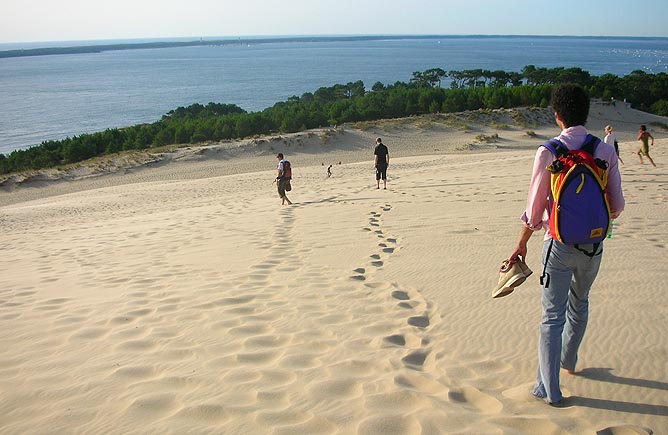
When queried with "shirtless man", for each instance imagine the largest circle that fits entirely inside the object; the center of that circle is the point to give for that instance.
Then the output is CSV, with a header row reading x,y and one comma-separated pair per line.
x,y
644,137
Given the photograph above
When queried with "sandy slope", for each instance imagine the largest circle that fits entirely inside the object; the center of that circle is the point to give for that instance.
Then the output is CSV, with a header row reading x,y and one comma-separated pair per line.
x,y
182,298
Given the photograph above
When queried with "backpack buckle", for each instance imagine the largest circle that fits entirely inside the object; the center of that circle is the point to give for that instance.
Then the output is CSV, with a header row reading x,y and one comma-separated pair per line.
x,y
556,166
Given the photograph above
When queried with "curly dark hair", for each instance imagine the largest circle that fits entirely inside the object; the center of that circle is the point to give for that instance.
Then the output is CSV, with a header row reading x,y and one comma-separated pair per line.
x,y
571,103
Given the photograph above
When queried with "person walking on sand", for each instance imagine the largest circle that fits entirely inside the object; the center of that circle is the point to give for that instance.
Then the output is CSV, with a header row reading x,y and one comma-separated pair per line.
x,y
381,161
644,136
569,270
283,178
611,139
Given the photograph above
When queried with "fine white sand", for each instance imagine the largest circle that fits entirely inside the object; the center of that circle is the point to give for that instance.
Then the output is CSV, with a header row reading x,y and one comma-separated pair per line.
x,y
180,297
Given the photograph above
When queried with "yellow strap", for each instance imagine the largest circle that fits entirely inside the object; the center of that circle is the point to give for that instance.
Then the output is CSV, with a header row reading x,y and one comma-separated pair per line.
x,y
582,182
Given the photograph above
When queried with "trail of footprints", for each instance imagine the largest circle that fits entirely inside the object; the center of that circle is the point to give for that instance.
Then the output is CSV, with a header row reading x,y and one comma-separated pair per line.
x,y
418,311
421,357
386,245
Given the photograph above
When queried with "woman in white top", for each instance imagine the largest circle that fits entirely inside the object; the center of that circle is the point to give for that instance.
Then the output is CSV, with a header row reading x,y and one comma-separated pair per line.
x,y
610,139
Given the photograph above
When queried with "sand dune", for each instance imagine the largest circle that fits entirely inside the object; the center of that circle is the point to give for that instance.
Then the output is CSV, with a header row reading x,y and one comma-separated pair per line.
x,y
182,298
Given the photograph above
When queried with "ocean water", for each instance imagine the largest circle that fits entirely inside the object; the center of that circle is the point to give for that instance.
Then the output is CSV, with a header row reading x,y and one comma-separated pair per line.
x,y
53,97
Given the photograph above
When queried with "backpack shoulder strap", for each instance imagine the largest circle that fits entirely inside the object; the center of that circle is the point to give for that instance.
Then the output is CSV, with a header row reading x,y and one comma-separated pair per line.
x,y
556,147
590,144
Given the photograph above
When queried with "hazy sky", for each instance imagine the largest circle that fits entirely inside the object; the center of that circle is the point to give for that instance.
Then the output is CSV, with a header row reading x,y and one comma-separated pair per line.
x,y
64,20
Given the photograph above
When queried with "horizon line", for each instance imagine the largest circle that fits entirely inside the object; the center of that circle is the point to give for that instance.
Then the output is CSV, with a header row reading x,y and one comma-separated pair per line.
x,y
327,35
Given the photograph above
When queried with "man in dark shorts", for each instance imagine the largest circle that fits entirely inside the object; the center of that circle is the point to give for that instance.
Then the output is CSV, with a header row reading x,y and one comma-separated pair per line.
x,y
381,161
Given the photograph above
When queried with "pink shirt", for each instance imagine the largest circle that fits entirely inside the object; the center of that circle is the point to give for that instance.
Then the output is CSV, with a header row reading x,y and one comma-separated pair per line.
x,y
540,200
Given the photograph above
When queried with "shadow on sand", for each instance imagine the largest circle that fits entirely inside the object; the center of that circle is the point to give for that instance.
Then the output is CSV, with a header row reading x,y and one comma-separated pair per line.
x,y
605,375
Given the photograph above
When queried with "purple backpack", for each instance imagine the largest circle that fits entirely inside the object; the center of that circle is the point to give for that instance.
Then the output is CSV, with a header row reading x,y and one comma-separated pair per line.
x,y
581,212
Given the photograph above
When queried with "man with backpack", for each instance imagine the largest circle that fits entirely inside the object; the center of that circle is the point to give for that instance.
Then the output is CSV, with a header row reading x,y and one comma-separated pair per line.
x,y
571,260
283,178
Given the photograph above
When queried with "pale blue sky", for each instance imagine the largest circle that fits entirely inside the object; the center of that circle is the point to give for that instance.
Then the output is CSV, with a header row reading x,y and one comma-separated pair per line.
x,y
64,20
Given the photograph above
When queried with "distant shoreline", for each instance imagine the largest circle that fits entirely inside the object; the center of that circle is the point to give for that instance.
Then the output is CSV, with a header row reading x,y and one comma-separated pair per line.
x,y
99,48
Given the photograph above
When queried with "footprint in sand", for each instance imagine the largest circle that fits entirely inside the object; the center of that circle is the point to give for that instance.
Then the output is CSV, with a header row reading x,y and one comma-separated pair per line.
x,y
401,295
396,340
473,398
415,360
360,277
522,393
417,382
419,321
626,429
378,285
406,303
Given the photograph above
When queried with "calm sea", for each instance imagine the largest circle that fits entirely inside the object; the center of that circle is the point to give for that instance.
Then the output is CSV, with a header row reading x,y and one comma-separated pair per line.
x,y
52,97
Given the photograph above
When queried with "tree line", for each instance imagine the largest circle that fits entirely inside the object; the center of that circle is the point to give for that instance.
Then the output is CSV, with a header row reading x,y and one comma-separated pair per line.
x,y
468,90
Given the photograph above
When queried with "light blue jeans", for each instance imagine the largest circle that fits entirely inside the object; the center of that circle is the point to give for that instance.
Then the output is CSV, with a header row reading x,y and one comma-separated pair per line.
x,y
567,279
